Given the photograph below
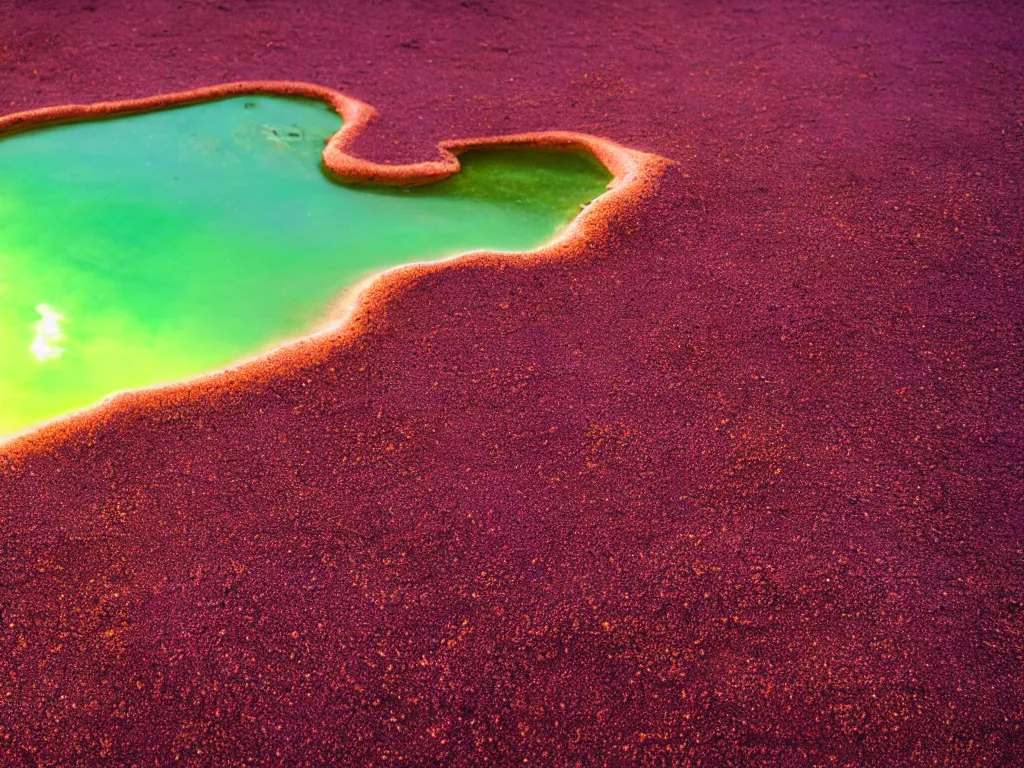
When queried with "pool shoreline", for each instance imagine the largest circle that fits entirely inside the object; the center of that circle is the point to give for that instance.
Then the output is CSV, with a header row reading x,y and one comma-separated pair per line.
x,y
634,175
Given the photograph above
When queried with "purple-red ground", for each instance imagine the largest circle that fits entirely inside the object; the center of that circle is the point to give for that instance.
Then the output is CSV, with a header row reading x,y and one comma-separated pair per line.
x,y
741,486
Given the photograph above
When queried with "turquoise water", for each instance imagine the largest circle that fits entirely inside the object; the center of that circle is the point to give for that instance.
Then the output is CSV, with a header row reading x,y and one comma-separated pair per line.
x,y
147,248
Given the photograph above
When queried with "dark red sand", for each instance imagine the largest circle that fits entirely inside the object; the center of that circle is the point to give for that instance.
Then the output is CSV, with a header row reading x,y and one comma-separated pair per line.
x,y
740,487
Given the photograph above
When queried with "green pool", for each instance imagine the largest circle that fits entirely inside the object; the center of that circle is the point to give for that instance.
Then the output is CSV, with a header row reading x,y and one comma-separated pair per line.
x,y
147,248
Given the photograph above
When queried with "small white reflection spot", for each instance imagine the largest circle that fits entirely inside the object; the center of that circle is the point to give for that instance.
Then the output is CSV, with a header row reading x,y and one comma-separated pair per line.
x,y
48,333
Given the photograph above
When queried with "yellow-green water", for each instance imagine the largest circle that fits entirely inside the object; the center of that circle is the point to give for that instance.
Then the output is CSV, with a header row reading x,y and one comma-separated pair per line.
x,y
152,247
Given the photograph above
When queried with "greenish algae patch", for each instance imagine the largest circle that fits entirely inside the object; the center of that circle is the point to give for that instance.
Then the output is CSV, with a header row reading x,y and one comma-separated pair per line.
x,y
148,248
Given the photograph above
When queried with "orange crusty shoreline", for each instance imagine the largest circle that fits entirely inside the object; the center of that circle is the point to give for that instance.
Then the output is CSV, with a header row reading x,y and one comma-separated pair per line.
x,y
634,174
